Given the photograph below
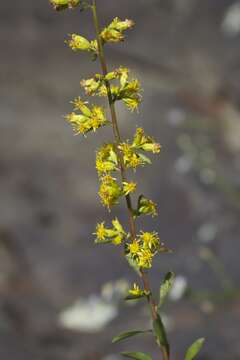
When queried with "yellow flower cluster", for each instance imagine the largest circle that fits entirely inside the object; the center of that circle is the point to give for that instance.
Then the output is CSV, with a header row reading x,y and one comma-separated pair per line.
x,y
131,155
64,4
115,235
90,118
118,86
111,34
128,90
143,249
114,31
110,191
106,159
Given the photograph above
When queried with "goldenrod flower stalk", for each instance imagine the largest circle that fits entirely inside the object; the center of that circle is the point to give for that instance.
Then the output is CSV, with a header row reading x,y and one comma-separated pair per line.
x,y
116,157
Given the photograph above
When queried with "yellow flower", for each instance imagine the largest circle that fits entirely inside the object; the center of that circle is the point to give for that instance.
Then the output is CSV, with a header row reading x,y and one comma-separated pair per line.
x,y
81,105
117,240
145,259
103,167
109,191
129,92
132,103
134,161
114,31
101,232
144,248
122,25
144,142
78,123
134,248
91,85
136,291
130,157
129,187
80,43
120,73
90,119
97,117
106,159
150,240
114,235
103,90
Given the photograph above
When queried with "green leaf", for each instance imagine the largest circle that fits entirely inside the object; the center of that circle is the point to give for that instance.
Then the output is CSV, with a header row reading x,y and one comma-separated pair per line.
x,y
160,333
133,264
103,241
128,334
135,297
136,355
84,5
166,287
194,349
145,158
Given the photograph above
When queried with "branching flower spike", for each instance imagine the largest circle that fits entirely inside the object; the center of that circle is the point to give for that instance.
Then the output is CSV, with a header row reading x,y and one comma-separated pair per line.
x,y
116,161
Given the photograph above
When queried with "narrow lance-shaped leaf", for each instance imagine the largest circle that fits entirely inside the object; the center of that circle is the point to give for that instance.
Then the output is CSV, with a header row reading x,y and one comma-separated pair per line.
x,y
194,349
134,297
129,334
136,355
160,333
166,287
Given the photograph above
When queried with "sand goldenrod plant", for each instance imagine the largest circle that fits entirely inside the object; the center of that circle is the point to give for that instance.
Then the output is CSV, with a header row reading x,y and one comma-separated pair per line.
x,y
114,160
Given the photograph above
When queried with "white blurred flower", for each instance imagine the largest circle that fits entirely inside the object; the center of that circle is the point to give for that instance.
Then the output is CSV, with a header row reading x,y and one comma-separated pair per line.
x,y
115,291
176,117
231,22
88,315
183,164
207,232
179,288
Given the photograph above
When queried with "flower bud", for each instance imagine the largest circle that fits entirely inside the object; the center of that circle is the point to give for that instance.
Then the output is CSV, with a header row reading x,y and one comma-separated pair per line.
x,y
78,42
64,4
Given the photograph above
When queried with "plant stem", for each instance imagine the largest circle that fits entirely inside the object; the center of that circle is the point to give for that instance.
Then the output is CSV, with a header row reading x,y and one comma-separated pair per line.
x,y
117,137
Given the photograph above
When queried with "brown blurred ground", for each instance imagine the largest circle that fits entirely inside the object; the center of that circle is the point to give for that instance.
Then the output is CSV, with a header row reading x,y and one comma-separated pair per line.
x,y
190,73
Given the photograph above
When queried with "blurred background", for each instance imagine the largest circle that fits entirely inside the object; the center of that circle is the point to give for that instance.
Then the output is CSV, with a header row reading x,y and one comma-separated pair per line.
x,y
61,295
